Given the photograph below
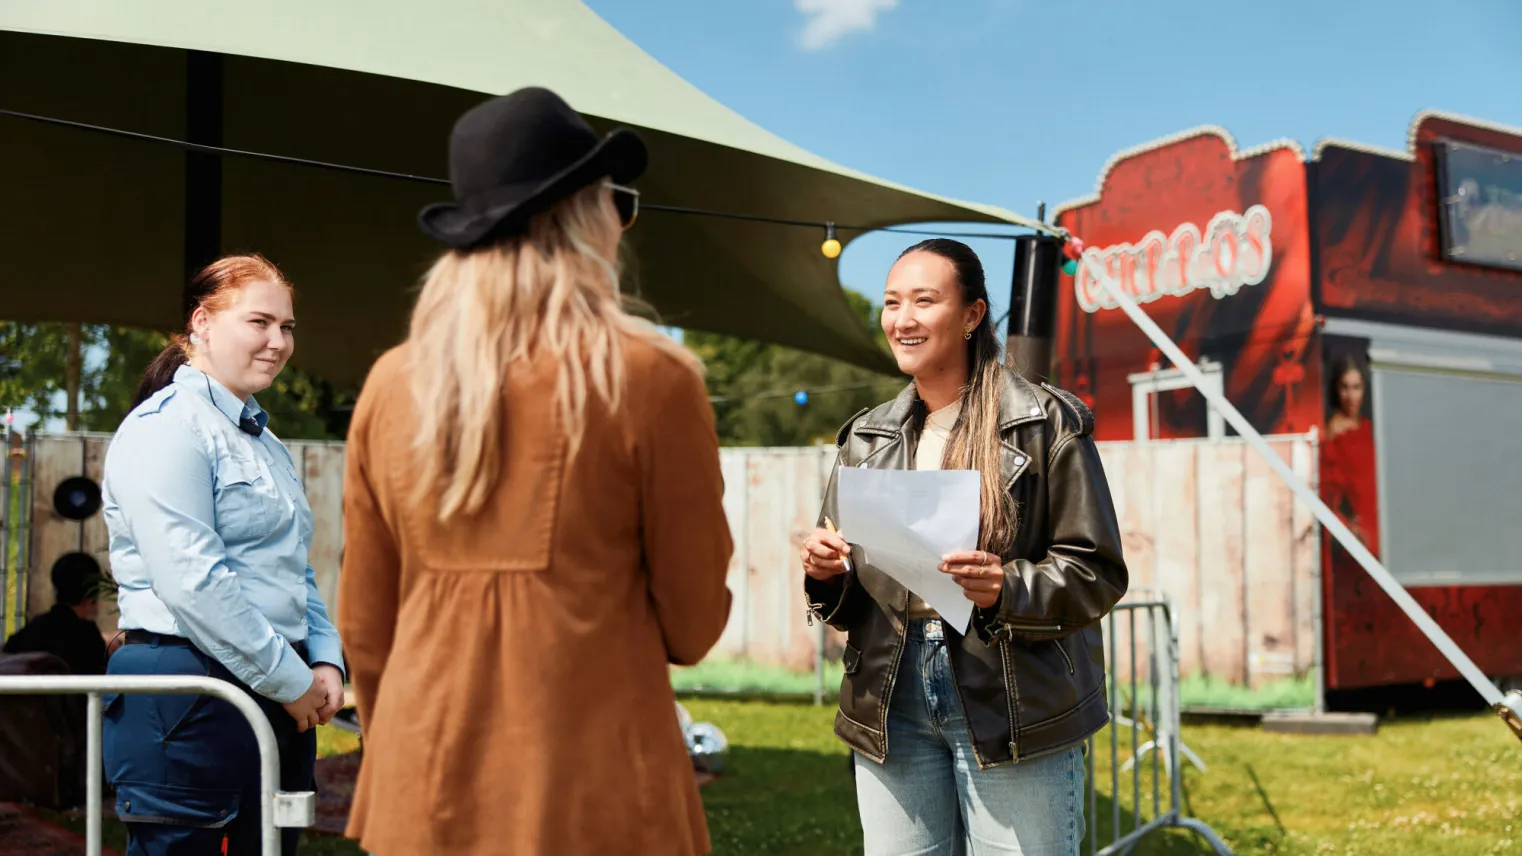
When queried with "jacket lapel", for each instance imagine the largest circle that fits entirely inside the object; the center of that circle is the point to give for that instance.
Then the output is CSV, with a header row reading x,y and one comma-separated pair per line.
x,y
1017,406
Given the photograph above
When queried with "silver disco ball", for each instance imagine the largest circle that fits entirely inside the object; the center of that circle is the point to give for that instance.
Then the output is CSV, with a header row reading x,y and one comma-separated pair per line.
x,y
708,746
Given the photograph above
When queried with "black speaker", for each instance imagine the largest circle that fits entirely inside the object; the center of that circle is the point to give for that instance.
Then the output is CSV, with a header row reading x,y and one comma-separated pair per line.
x,y
76,498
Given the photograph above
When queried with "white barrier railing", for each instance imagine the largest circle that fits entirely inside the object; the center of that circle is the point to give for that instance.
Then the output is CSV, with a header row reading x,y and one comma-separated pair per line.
x,y
1162,713
276,809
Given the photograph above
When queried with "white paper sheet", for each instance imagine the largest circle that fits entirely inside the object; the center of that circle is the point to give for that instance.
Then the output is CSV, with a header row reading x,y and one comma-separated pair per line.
x,y
904,521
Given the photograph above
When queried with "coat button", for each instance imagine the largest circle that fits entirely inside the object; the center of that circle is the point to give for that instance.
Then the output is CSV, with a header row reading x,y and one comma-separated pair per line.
x,y
1035,411
127,806
1019,462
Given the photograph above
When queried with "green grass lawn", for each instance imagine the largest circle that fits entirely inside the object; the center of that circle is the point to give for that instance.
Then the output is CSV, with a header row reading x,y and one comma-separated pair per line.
x,y
719,676
1446,785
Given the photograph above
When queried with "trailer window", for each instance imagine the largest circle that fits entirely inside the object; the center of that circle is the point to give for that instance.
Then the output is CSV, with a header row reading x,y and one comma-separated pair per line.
x,y
1449,447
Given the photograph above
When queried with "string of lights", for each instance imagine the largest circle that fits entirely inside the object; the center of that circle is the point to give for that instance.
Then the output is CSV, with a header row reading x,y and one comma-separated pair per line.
x,y
830,228
831,247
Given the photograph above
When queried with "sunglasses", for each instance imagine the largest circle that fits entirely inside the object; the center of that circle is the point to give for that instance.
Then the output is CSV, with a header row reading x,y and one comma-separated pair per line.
x,y
626,200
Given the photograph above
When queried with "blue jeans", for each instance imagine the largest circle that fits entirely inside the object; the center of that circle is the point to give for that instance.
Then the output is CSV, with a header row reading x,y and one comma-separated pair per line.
x,y
186,767
930,799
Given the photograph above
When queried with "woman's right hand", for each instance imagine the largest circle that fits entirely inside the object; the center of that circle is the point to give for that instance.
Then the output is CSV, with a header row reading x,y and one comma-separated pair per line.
x,y
823,554
305,710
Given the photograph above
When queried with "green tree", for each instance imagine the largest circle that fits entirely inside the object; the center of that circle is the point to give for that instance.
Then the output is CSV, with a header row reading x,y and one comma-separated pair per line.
x,y
128,351
33,358
33,361
753,386
301,405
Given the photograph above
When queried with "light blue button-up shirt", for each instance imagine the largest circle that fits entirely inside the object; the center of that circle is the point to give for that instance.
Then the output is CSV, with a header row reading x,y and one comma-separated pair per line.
x,y
210,530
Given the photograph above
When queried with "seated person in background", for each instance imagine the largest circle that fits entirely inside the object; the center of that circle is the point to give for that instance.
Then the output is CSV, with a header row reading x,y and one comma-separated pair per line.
x,y
68,630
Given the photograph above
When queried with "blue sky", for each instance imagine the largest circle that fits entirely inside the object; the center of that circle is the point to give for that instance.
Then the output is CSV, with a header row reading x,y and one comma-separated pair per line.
x,y
1010,101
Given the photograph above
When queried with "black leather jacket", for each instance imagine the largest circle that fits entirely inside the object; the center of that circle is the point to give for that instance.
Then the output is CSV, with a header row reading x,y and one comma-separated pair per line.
x,y
1030,675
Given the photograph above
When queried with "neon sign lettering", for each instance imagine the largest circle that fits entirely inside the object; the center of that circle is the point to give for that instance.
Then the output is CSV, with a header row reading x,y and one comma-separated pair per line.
x,y
1233,251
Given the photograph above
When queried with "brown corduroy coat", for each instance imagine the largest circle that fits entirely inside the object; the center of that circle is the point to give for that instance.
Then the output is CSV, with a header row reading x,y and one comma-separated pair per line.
x,y
510,668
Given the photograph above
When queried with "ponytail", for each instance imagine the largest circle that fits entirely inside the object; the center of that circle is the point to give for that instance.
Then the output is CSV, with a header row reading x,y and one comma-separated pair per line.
x,y
160,372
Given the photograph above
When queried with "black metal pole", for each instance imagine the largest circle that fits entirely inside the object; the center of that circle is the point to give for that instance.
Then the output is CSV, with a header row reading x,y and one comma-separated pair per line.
x,y
203,171
1033,305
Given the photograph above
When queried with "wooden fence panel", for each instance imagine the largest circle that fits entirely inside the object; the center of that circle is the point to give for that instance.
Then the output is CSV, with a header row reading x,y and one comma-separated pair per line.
x,y
1223,601
321,468
1305,562
1206,523
734,464
54,458
1270,579
1175,493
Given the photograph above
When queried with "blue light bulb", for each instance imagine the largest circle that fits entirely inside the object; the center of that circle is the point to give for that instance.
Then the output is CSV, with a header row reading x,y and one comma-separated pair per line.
x,y
800,398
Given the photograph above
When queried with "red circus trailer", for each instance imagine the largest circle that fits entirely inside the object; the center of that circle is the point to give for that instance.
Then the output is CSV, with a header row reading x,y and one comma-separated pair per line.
x,y
1371,296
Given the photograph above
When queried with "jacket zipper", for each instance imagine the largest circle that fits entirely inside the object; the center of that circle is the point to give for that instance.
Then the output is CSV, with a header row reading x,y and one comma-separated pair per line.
x,y
1032,626
1011,698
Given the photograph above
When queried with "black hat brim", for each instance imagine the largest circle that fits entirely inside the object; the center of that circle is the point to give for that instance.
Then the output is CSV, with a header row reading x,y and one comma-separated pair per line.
x,y
621,156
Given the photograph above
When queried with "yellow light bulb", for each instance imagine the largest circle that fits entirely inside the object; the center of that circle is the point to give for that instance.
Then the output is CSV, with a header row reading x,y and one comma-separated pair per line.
x,y
830,247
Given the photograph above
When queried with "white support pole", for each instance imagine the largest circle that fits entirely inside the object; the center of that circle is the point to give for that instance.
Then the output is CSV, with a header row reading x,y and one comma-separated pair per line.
x,y
1303,492
93,775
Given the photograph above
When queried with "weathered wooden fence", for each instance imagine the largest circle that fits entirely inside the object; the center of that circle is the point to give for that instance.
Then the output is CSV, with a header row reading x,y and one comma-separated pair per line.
x,y
51,458
1210,525
1205,522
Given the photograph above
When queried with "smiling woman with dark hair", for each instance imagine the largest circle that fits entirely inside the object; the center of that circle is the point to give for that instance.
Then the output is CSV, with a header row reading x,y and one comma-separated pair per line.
x,y
985,729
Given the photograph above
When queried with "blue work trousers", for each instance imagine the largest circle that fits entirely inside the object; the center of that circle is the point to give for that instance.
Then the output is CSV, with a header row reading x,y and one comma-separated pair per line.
x,y
185,767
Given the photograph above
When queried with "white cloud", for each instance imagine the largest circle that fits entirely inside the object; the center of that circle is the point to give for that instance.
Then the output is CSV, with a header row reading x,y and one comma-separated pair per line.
x,y
829,20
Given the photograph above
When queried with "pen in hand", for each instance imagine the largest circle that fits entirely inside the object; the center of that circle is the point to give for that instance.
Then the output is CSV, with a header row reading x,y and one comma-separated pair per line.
x,y
844,559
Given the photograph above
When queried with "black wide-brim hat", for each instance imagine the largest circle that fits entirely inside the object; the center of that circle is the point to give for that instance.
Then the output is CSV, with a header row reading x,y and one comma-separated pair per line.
x,y
516,155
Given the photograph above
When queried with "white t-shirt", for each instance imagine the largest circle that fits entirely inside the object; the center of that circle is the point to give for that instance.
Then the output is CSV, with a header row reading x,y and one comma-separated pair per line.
x,y
933,439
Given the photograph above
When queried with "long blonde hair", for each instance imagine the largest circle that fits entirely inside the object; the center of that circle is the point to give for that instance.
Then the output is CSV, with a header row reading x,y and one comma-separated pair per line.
x,y
547,292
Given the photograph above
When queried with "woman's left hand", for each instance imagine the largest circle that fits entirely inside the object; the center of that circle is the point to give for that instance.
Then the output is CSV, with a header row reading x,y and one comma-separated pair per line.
x,y
980,574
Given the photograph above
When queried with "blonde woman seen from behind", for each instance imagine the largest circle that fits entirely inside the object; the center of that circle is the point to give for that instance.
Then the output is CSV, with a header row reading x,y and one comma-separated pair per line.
x,y
533,521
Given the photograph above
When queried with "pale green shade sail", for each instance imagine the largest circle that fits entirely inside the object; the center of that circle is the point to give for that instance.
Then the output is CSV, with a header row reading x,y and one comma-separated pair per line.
x,y
103,229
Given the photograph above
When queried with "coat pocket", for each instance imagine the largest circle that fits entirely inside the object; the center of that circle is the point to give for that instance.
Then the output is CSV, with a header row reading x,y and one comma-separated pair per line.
x,y
851,659
174,805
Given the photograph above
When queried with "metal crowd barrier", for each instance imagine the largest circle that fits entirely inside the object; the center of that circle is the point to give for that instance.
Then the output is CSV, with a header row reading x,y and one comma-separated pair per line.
x,y
276,809
1157,711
